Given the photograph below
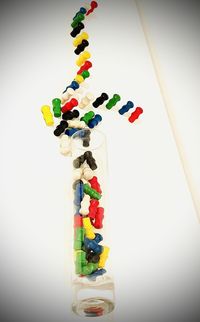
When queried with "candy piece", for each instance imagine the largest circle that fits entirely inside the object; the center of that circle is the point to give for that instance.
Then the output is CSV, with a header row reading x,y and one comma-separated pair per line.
x,y
82,10
79,161
104,256
98,238
70,115
88,228
89,268
135,115
87,173
98,223
79,233
92,245
77,124
77,29
91,192
78,245
80,48
85,204
86,100
94,5
67,95
93,208
71,132
77,173
79,79
90,160
78,40
100,100
60,129
113,101
56,102
85,74
78,221
87,117
74,85
69,105
95,184
82,58
87,65
126,108
65,145
97,273
92,257
95,121
47,115
78,195
76,182
80,17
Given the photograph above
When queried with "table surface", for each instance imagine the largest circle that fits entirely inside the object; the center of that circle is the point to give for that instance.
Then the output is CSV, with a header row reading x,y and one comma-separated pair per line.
x,y
153,224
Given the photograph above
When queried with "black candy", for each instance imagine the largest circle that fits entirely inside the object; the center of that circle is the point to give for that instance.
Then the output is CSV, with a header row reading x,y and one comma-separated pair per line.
x,y
90,160
100,100
60,128
70,115
80,48
77,30
92,257
79,161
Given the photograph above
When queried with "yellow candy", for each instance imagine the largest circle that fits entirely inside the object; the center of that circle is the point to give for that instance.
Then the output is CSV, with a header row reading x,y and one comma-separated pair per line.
x,y
82,58
78,40
103,257
47,115
79,79
88,228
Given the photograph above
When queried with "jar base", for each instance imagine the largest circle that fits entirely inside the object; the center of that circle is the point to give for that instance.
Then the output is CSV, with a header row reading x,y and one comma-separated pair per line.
x,y
93,307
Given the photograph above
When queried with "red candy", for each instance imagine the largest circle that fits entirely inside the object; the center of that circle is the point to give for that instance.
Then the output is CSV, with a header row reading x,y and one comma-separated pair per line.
x,y
134,116
95,185
69,105
99,218
94,5
86,66
78,221
93,208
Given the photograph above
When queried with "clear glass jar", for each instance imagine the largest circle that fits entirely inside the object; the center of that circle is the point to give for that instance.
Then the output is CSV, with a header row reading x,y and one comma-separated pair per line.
x,y
93,286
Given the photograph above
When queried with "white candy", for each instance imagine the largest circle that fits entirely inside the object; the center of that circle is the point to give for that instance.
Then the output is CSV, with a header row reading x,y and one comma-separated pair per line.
x,y
86,100
77,174
85,204
88,174
77,124
67,95
65,145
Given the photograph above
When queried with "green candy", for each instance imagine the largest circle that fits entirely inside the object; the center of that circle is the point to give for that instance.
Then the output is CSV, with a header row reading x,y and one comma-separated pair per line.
x,y
113,101
80,17
85,74
80,234
81,257
88,117
56,102
89,268
78,244
91,192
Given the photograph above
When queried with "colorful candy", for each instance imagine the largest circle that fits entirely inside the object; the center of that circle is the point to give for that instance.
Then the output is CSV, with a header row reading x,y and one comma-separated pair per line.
x,y
79,17
56,102
94,5
81,47
78,40
100,100
47,115
87,117
69,105
99,216
126,108
135,115
95,121
93,208
82,58
92,245
91,192
87,65
95,184
113,101
77,29
89,233
104,256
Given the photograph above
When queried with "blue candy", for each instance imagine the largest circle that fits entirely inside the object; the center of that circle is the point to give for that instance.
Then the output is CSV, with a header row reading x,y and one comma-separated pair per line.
x,y
78,195
98,238
74,85
126,108
95,121
97,273
93,245
71,131
82,10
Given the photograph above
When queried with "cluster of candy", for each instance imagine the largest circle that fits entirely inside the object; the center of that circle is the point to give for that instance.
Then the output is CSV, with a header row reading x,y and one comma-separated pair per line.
x,y
90,256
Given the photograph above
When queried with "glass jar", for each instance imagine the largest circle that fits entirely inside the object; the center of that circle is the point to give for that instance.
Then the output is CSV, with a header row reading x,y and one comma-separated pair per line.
x,y
92,283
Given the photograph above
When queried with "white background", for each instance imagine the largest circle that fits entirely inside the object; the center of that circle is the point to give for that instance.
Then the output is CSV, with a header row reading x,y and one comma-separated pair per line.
x,y
154,229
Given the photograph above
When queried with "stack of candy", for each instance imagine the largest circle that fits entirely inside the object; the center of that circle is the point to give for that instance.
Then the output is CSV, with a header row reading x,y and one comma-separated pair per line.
x,y
90,255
